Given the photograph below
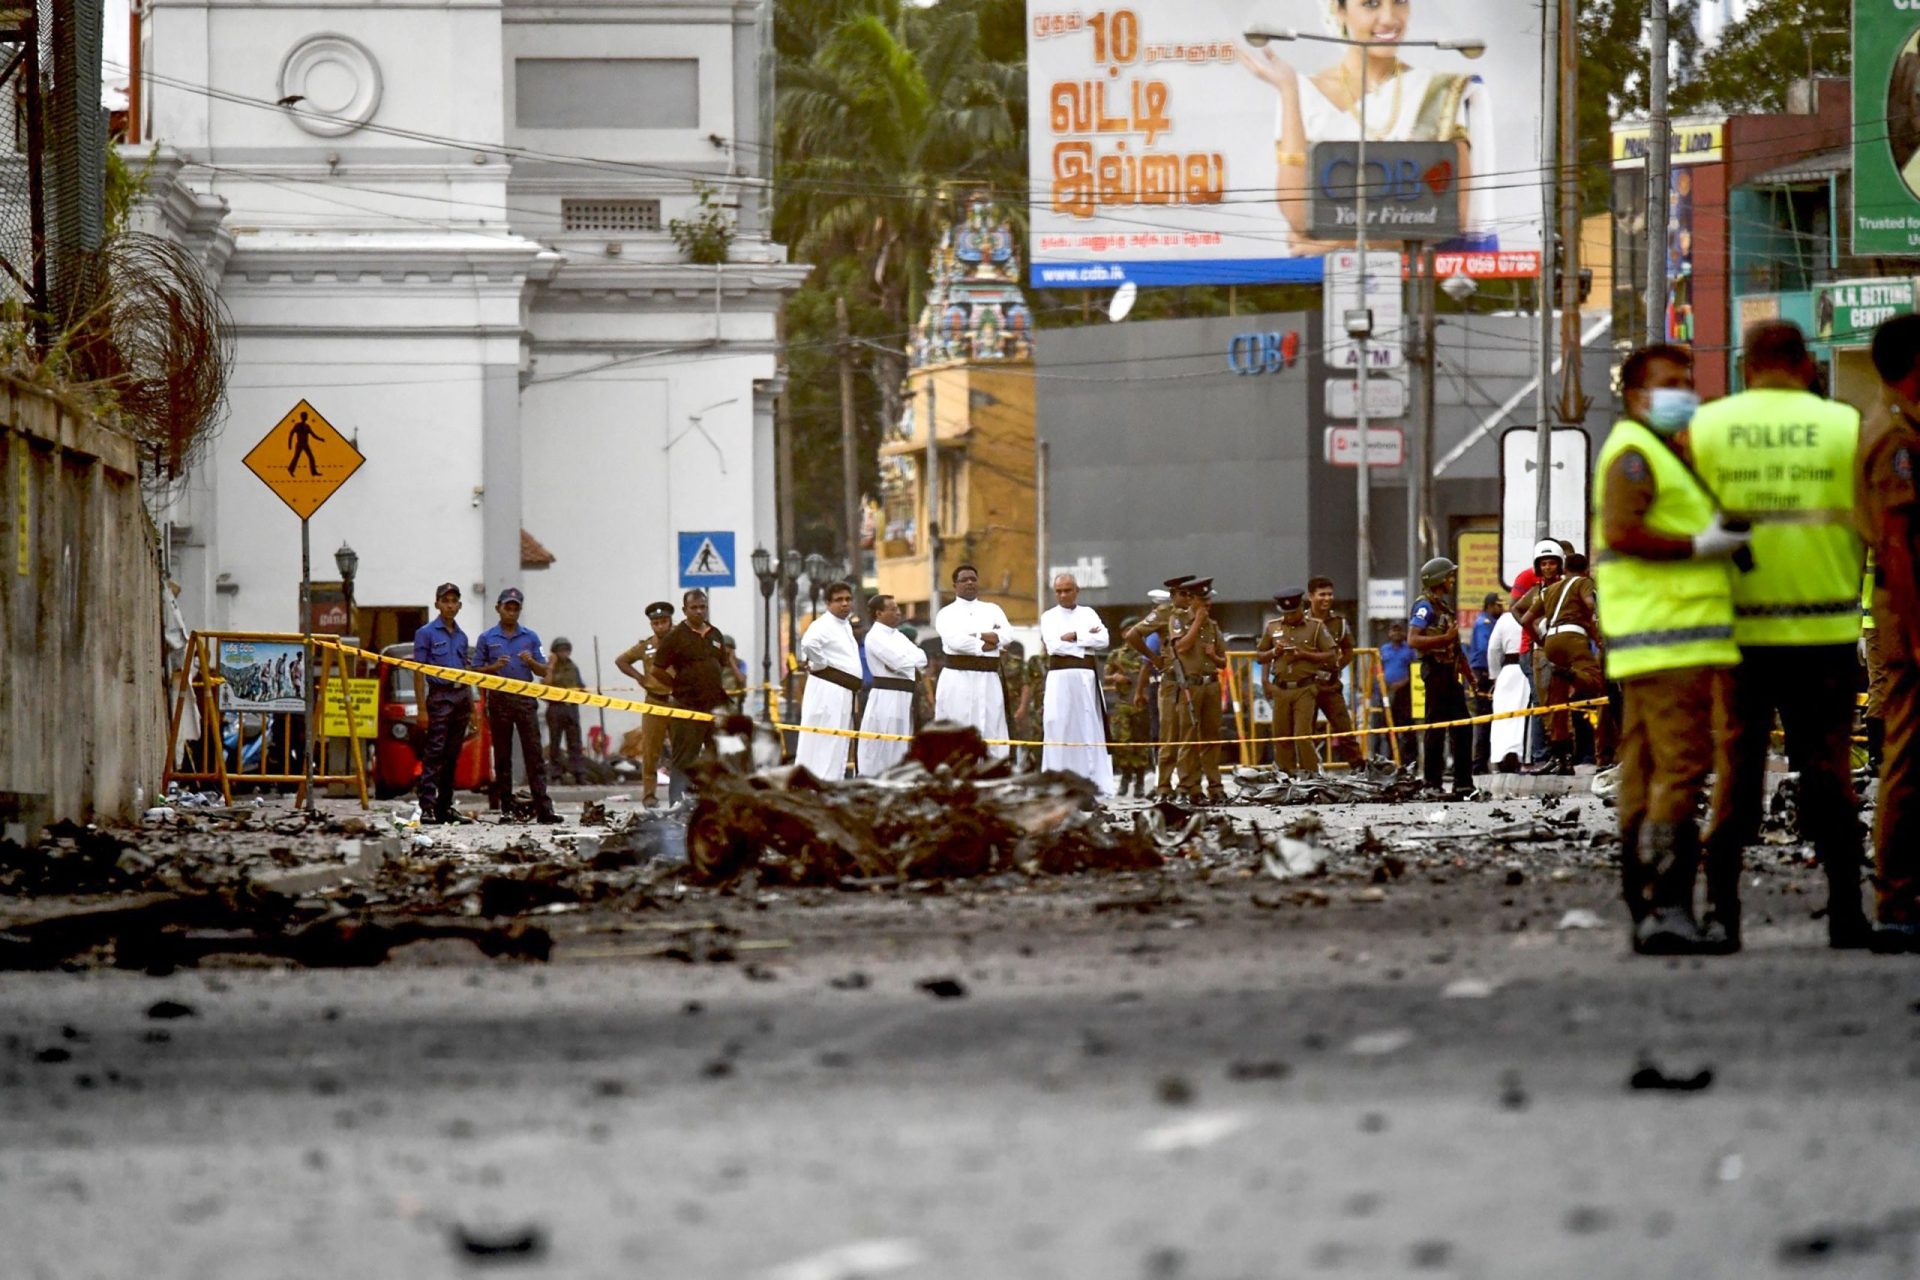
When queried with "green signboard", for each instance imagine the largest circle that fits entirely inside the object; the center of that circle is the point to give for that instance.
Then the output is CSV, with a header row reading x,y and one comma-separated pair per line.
x,y
1846,312
1886,127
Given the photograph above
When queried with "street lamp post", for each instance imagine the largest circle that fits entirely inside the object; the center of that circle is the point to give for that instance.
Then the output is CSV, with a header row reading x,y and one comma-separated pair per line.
x,y
1359,323
791,567
347,561
817,569
765,573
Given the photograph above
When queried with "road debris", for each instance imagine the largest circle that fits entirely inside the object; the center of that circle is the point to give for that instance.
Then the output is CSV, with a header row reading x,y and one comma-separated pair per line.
x,y
1193,1133
1580,918
500,1244
1649,1075
943,988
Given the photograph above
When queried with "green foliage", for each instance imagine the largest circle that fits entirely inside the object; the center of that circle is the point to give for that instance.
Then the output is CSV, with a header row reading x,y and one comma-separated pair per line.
x,y
706,236
1758,57
125,185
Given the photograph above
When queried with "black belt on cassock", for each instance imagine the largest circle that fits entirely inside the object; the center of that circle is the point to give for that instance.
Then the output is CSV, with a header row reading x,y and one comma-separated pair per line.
x,y
1063,663
834,675
1071,664
967,662
895,684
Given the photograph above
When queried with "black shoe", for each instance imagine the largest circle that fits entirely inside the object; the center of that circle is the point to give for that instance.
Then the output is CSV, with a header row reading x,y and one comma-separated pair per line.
x,y
1216,797
1849,931
1895,940
548,818
1719,936
1667,931
453,817
1509,763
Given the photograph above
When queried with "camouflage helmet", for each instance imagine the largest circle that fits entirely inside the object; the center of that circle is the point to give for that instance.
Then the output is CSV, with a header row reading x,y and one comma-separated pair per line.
x,y
1436,571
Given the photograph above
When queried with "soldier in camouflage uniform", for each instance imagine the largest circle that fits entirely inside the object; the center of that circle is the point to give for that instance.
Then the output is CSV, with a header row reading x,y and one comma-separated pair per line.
x,y
1013,683
1033,725
1127,716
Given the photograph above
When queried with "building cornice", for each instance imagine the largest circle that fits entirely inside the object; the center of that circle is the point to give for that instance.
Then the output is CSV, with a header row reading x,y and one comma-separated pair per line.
x,y
595,282
346,257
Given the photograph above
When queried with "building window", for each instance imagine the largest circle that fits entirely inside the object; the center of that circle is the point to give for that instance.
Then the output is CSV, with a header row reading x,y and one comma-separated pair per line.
x,y
606,93
609,215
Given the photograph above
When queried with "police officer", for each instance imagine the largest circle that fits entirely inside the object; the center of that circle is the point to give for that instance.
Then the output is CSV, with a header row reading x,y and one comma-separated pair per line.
x,y
1666,609
511,650
446,708
1169,706
1780,458
1434,633
637,664
1328,696
1564,616
1294,650
563,718
1199,651
1889,511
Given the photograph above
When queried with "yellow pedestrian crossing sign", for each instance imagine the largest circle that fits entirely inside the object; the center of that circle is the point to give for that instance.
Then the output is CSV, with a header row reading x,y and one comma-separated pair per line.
x,y
706,558
304,459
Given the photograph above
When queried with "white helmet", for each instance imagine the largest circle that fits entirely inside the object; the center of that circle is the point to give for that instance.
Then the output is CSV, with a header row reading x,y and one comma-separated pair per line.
x,y
1548,547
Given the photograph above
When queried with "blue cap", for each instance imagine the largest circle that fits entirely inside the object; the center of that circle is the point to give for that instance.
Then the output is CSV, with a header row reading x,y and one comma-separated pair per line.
x,y
511,596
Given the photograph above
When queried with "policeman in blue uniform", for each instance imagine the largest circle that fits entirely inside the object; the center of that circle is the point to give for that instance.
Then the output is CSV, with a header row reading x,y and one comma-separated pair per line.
x,y
446,706
511,650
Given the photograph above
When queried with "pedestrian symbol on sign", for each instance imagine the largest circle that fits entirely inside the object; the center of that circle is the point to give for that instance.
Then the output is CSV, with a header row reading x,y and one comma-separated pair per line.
x,y
706,559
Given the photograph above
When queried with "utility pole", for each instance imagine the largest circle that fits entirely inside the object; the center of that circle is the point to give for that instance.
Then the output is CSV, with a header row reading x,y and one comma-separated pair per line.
x,y
849,448
930,486
1363,478
1573,401
1657,179
1420,475
1549,228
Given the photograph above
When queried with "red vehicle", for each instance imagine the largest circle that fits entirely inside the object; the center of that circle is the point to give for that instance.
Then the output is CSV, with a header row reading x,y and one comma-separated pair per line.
x,y
397,757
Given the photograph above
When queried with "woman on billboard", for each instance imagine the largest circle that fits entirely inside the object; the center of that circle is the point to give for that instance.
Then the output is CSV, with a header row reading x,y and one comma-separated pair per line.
x,y
1404,104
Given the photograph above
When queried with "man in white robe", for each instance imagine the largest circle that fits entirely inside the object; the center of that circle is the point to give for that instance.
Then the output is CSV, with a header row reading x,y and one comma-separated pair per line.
x,y
894,662
1074,710
1512,689
972,633
832,658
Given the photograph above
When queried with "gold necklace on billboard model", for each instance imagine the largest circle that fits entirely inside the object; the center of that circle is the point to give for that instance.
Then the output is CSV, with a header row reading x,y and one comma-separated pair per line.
x,y
1399,88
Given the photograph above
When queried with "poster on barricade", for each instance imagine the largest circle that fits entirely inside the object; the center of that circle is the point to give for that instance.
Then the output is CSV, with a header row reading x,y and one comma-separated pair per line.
x,y
1166,149
262,675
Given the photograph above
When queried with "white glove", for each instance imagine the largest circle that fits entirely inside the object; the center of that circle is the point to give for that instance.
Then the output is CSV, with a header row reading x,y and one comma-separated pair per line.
x,y
1717,542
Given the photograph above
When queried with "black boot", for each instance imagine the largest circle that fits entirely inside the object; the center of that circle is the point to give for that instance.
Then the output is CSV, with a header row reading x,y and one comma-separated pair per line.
x,y
1876,742
1847,926
1633,886
1720,925
1668,862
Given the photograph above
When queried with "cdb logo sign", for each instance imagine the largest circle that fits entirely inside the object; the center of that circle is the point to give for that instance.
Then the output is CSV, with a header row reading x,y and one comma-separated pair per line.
x,y
1257,353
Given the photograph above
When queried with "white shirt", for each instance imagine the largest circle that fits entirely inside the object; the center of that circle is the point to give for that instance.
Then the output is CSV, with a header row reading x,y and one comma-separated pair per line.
x,y
1504,643
891,654
961,623
828,642
1082,622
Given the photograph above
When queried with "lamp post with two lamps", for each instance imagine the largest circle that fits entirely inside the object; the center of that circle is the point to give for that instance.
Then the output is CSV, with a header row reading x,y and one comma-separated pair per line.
x,y
766,574
1358,323
347,561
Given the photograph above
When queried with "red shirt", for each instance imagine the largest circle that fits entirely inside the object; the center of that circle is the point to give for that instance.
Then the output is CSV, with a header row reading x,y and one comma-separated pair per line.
x,y
1523,582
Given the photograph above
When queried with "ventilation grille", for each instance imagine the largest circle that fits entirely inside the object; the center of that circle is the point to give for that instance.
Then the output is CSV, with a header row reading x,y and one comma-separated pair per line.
x,y
610,215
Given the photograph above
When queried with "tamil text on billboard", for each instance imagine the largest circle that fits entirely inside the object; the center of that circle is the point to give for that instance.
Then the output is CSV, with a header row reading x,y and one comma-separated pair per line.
x,y
1167,150
1886,128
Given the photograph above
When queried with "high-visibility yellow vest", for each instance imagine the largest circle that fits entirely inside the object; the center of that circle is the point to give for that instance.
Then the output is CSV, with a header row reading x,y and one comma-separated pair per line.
x,y
1661,615
1784,460
1866,595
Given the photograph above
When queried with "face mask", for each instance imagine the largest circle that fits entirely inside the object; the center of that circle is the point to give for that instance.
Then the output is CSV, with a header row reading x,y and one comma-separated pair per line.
x,y
1670,409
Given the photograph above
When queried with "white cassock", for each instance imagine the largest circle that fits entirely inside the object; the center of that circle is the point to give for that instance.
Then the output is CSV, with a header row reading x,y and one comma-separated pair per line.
x,y
827,646
972,697
1512,690
890,656
1073,699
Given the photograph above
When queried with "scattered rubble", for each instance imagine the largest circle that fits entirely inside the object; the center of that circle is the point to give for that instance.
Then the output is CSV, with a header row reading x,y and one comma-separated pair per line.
x,y
1649,1075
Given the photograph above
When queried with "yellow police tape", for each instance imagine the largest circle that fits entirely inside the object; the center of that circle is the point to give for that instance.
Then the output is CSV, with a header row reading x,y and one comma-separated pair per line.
x,y
586,698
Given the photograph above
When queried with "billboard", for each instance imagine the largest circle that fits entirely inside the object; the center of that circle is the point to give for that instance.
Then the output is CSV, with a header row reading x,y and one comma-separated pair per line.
x,y
1886,128
262,675
1166,150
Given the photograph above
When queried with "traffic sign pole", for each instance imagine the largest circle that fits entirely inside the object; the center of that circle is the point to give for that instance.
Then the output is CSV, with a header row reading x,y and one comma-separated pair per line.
x,y
306,629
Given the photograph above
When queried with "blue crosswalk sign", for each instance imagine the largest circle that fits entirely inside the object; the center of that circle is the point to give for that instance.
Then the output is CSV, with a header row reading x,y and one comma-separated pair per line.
x,y
706,559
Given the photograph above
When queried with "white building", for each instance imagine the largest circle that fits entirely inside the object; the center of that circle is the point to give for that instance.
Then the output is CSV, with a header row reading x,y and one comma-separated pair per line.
x,y
444,224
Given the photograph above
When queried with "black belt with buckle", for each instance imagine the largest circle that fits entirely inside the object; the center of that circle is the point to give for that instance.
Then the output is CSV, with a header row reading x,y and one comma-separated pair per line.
x,y
833,675
967,662
894,684
1070,664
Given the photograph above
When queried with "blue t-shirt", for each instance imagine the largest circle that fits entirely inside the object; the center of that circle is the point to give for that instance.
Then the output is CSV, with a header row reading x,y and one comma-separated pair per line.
x,y
439,646
1396,662
1482,637
495,643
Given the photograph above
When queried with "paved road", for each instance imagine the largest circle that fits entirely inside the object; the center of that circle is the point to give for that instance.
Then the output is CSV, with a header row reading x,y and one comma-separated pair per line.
x,y
1145,1077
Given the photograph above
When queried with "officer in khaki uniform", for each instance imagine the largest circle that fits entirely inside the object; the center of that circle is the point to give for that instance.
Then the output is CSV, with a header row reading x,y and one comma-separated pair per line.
x,y
1192,651
1888,506
1666,610
1783,460
1295,649
1328,696
1172,708
1564,615
637,665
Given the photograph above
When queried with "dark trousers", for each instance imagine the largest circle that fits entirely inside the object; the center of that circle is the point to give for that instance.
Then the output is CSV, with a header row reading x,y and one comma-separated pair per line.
x,y
1447,700
687,745
1811,688
508,715
563,721
448,711
1670,741
1400,703
1482,700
